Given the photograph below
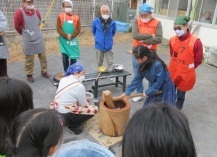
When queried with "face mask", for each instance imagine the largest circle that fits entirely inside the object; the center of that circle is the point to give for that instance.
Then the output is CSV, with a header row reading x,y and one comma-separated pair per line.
x,y
68,10
82,78
105,17
146,20
179,33
30,7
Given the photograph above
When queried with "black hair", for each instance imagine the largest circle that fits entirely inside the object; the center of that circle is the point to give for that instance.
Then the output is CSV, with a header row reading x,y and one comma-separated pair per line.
x,y
16,96
3,135
35,131
158,130
140,51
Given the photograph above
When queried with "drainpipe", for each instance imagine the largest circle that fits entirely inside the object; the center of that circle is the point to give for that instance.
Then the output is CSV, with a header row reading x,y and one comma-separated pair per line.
x,y
112,8
94,9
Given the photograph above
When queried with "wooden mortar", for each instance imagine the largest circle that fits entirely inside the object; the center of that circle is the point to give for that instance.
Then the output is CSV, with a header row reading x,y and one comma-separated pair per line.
x,y
113,121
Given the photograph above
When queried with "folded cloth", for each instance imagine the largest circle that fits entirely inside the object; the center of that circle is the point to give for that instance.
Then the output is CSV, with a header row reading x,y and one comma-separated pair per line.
x,y
75,109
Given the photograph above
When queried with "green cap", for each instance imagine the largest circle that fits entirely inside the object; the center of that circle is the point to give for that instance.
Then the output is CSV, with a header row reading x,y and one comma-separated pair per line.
x,y
182,20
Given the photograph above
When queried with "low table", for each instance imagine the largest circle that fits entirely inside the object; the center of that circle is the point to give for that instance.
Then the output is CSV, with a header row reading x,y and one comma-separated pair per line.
x,y
106,75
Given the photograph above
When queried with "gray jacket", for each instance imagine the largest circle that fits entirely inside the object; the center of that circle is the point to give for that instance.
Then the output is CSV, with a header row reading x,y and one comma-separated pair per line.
x,y
3,26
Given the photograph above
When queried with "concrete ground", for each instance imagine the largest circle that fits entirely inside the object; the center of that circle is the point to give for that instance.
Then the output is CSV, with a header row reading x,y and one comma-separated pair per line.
x,y
200,106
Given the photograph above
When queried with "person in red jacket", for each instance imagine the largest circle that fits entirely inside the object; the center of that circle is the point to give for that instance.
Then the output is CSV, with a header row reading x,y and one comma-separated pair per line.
x,y
186,51
26,22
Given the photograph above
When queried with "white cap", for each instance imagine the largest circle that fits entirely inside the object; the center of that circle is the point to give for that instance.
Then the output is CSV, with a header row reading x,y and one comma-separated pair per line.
x,y
68,1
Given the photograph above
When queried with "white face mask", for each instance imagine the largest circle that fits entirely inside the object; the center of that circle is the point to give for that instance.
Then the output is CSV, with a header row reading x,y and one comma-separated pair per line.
x,y
105,17
68,10
179,33
30,7
146,20
81,78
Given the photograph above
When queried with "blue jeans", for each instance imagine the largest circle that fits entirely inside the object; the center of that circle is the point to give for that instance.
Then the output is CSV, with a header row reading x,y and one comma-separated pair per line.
x,y
83,148
136,65
65,59
180,99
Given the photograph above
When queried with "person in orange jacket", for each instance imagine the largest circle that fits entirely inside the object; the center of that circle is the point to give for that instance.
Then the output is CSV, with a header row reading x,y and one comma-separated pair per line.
x,y
146,31
186,51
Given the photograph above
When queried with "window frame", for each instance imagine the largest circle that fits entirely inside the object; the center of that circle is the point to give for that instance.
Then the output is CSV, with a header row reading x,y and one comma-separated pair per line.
x,y
188,12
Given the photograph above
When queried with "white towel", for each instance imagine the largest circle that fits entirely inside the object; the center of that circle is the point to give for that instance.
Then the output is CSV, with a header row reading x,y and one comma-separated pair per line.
x,y
68,1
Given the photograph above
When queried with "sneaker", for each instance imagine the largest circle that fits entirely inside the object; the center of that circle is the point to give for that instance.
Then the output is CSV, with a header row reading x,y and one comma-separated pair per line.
x,y
137,99
76,130
30,78
46,75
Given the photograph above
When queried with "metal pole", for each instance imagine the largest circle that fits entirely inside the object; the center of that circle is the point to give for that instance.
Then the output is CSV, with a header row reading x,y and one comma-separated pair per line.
x,y
94,9
112,8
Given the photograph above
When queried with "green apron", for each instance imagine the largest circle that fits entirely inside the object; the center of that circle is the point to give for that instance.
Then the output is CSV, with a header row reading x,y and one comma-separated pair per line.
x,y
69,47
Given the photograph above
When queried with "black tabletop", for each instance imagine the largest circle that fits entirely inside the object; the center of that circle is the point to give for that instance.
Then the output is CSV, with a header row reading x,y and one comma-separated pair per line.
x,y
93,76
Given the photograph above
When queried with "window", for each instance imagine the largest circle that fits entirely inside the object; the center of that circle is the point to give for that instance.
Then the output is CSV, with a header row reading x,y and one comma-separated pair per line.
x,y
203,10
161,7
182,8
133,4
195,8
199,10
173,6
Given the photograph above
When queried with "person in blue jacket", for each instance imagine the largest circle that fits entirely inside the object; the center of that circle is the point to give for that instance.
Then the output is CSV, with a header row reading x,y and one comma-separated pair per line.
x,y
155,71
104,29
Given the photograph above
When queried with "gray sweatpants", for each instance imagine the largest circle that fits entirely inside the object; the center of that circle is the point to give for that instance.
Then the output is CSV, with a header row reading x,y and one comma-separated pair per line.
x,y
109,58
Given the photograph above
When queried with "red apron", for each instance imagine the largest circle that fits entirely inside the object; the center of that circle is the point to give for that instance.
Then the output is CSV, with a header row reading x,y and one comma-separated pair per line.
x,y
146,28
181,67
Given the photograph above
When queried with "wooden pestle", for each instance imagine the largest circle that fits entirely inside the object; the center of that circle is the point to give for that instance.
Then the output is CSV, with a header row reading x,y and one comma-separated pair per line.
x,y
108,99
132,96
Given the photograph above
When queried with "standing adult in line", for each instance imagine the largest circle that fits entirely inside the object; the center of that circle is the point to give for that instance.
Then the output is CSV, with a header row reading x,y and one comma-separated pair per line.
x,y
104,29
146,31
186,51
3,46
68,27
27,21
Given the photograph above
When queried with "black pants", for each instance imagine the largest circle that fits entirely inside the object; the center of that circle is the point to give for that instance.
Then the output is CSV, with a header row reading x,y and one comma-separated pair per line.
x,y
3,67
75,120
66,59
180,99
1,41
